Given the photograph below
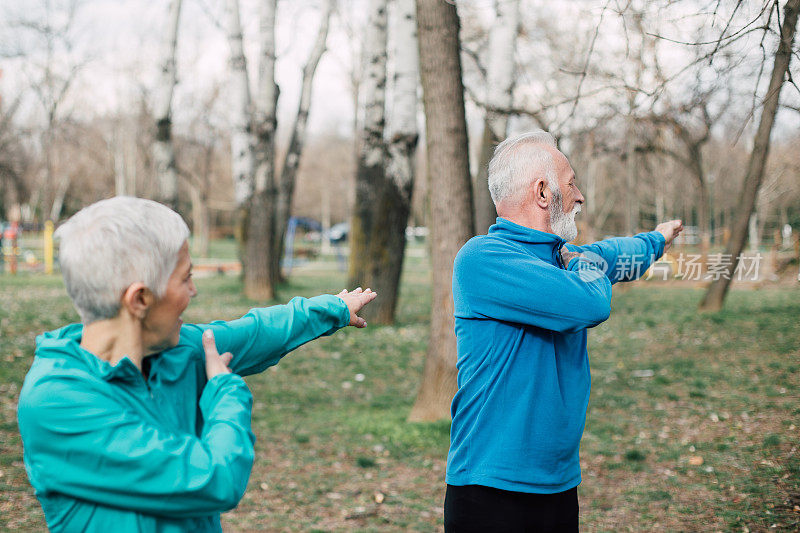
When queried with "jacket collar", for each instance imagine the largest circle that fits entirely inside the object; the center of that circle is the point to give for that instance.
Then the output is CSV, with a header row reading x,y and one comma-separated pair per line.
x,y
65,343
546,246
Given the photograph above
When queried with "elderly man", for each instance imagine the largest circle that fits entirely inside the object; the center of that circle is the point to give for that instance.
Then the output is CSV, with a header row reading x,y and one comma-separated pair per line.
x,y
523,302
131,420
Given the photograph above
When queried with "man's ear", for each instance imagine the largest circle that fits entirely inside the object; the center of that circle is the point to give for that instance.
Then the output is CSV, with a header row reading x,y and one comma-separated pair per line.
x,y
137,299
541,193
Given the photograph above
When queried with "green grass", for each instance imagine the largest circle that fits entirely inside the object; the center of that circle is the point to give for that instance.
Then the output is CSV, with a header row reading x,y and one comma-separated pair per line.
x,y
724,388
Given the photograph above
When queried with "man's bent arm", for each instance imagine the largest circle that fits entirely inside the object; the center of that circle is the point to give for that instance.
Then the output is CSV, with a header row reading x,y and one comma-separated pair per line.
x,y
502,283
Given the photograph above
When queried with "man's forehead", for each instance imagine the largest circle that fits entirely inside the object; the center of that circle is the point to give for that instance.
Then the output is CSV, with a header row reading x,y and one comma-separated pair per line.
x,y
561,162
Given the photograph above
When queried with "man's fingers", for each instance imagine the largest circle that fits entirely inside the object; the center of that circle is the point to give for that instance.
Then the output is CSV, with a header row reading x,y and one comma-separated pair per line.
x,y
226,358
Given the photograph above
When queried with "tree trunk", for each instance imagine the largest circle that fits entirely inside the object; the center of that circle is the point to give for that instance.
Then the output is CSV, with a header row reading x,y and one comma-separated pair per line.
x,y
383,262
59,195
485,212
694,148
715,296
500,83
120,170
452,221
252,193
200,221
632,208
241,134
260,274
753,235
162,149
285,192
370,169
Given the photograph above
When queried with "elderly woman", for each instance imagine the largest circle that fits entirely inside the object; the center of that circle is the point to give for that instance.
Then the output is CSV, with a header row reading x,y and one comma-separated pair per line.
x,y
132,421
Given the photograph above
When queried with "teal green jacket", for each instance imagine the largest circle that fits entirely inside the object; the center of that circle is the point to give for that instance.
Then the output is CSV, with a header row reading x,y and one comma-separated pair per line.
x,y
107,451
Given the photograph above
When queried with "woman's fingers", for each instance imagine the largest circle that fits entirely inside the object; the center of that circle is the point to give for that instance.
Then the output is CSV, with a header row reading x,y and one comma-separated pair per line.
x,y
215,363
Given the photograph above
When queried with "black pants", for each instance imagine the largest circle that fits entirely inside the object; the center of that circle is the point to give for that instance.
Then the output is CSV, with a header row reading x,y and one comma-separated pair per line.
x,y
475,508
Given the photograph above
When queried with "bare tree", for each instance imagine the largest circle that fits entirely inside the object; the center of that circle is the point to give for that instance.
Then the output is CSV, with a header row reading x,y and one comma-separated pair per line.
x,y
692,138
260,270
385,176
163,149
499,95
241,110
371,168
451,194
264,204
13,160
291,161
715,296
53,80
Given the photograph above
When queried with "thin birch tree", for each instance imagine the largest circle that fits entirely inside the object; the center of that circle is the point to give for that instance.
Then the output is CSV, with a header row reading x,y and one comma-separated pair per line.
x,y
263,202
499,95
371,165
163,150
385,174
291,161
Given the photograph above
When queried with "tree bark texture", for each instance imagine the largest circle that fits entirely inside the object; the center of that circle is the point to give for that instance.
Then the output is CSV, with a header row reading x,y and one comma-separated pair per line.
x,y
241,111
253,205
260,271
715,296
162,149
452,222
383,259
499,95
288,178
371,166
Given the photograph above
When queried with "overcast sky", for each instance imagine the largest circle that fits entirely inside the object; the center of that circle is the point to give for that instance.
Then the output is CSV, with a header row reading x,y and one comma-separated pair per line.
x,y
121,39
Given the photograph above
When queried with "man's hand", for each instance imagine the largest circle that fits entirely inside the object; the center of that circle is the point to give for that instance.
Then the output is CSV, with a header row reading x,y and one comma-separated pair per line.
x,y
215,363
355,301
669,230
567,256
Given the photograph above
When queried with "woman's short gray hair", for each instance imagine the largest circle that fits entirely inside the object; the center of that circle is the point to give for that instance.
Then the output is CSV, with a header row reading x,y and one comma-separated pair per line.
x,y
519,160
114,243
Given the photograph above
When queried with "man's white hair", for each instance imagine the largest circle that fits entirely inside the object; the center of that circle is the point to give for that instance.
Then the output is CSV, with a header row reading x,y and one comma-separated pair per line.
x,y
518,161
114,243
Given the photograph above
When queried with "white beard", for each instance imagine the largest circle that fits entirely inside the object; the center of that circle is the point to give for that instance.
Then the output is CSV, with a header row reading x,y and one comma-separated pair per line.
x,y
563,224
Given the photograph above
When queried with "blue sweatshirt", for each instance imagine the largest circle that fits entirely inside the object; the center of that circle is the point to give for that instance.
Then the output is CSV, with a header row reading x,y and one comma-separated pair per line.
x,y
523,369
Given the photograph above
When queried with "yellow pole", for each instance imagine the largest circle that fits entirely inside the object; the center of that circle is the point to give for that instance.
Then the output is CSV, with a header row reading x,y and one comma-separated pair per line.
x,y
48,247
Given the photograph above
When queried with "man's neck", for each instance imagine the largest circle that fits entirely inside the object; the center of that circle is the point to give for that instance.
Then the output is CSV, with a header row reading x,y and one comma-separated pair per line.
x,y
525,216
113,339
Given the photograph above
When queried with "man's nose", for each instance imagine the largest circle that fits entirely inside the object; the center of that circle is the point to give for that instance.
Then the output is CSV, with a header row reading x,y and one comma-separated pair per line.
x,y
580,199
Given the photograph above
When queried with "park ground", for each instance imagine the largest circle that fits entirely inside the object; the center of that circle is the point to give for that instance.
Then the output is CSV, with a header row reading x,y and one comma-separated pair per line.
x,y
693,422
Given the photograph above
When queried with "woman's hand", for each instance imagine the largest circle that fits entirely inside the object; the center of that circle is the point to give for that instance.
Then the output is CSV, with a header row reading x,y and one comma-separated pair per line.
x,y
215,363
355,301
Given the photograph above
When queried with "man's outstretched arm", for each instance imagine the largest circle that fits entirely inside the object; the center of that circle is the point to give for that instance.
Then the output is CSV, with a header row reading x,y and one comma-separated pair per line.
x,y
628,258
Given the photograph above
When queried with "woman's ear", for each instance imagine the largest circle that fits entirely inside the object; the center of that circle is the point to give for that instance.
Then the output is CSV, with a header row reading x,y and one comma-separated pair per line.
x,y
137,299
